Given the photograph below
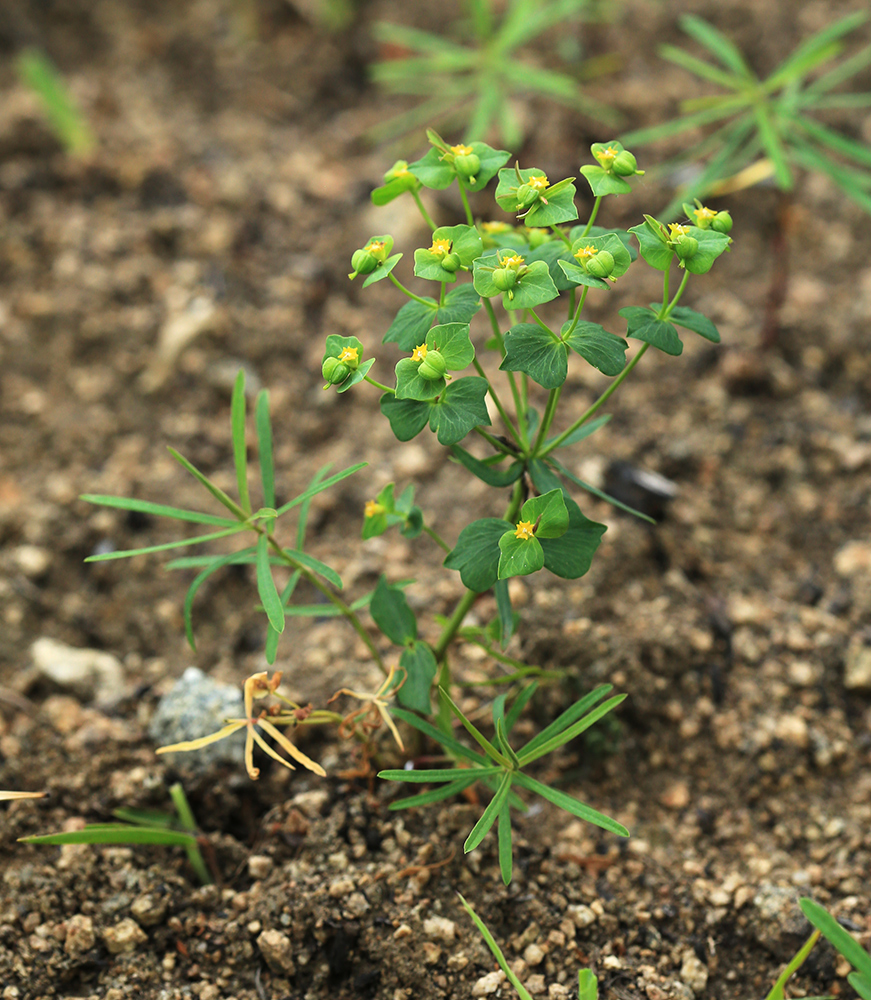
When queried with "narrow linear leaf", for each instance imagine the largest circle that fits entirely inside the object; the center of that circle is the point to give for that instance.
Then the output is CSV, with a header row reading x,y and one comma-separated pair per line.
x,y
473,731
325,484
264,448
574,730
164,546
522,992
571,805
435,774
157,509
316,566
216,491
845,943
435,794
240,451
266,586
503,831
488,817
566,718
453,746
214,565
115,834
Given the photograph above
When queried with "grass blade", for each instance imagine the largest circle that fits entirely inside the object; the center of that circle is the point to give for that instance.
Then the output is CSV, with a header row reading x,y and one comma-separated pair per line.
x,y
816,49
240,451
571,805
157,509
841,73
520,702
600,493
835,140
266,586
699,67
120,833
845,943
795,963
264,448
216,491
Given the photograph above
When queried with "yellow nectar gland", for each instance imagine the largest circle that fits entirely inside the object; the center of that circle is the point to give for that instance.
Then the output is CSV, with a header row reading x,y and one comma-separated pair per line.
x,y
373,508
704,214
419,353
607,156
496,227
538,183
525,530
585,253
461,150
374,246
440,247
515,261
677,229
349,354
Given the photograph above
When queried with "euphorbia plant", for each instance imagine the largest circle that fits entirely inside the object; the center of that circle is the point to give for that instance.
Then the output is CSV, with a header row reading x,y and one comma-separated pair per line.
x,y
510,271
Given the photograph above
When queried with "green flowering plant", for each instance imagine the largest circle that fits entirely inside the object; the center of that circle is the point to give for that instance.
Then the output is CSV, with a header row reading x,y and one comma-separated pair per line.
x,y
506,272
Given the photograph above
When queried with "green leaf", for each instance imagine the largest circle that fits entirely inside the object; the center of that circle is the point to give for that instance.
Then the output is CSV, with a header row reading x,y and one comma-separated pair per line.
x,y
316,566
496,756
588,985
845,943
602,183
576,275
570,555
625,238
446,740
488,818
392,614
642,324
653,249
452,341
432,171
356,376
489,474
465,243
519,556
537,353
491,160
460,408
584,431
240,451
567,718
409,327
461,304
158,510
115,833
382,270
603,350
528,755
264,447
532,289
164,546
505,846
571,805
436,774
717,44
548,512
214,564
319,487
599,493
410,384
505,611
266,586
435,794
407,417
553,208
216,491
711,245
419,663
695,321
522,992
476,554
614,246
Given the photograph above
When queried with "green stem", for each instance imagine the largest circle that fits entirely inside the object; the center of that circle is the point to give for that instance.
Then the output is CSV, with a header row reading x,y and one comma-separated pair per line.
x,y
405,291
547,418
470,219
593,215
337,602
423,211
667,309
562,236
437,538
519,405
453,623
495,443
513,508
542,324
577,315
378,385
606,395
503,413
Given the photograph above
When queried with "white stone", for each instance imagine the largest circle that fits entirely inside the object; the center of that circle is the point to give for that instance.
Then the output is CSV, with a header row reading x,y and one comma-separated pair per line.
x,y
488,984
89,674
440,928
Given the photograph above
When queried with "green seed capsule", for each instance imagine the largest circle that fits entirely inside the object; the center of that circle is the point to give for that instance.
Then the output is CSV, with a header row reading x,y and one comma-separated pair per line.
x,y
363,261
432,367
722,223
625,164
602,265
334,371
526,196
467,165
504,278
685,246
451,262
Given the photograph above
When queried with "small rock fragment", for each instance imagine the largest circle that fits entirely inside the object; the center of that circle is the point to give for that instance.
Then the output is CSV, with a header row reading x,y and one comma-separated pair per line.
x,y
857,666
488,984
149,909
80,936
124,937
440,928
694,973
89,674
277,949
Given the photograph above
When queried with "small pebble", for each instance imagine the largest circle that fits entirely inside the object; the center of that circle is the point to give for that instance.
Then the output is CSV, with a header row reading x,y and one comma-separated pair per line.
x,y
440,928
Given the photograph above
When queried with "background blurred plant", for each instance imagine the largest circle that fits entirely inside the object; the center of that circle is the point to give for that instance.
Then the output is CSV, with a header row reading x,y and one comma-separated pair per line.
x,y
39,73
768,128
474,84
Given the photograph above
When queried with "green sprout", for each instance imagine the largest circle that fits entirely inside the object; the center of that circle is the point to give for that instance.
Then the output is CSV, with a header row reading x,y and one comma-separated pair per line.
x,y
140,826
769,128
476,83
41,75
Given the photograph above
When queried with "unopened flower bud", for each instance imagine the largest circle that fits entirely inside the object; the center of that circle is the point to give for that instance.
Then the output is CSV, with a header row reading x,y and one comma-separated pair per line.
x,y
625,164
504,278
722,222
467,166
334,371
451,262
685,246
433,366
601,265
363,261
